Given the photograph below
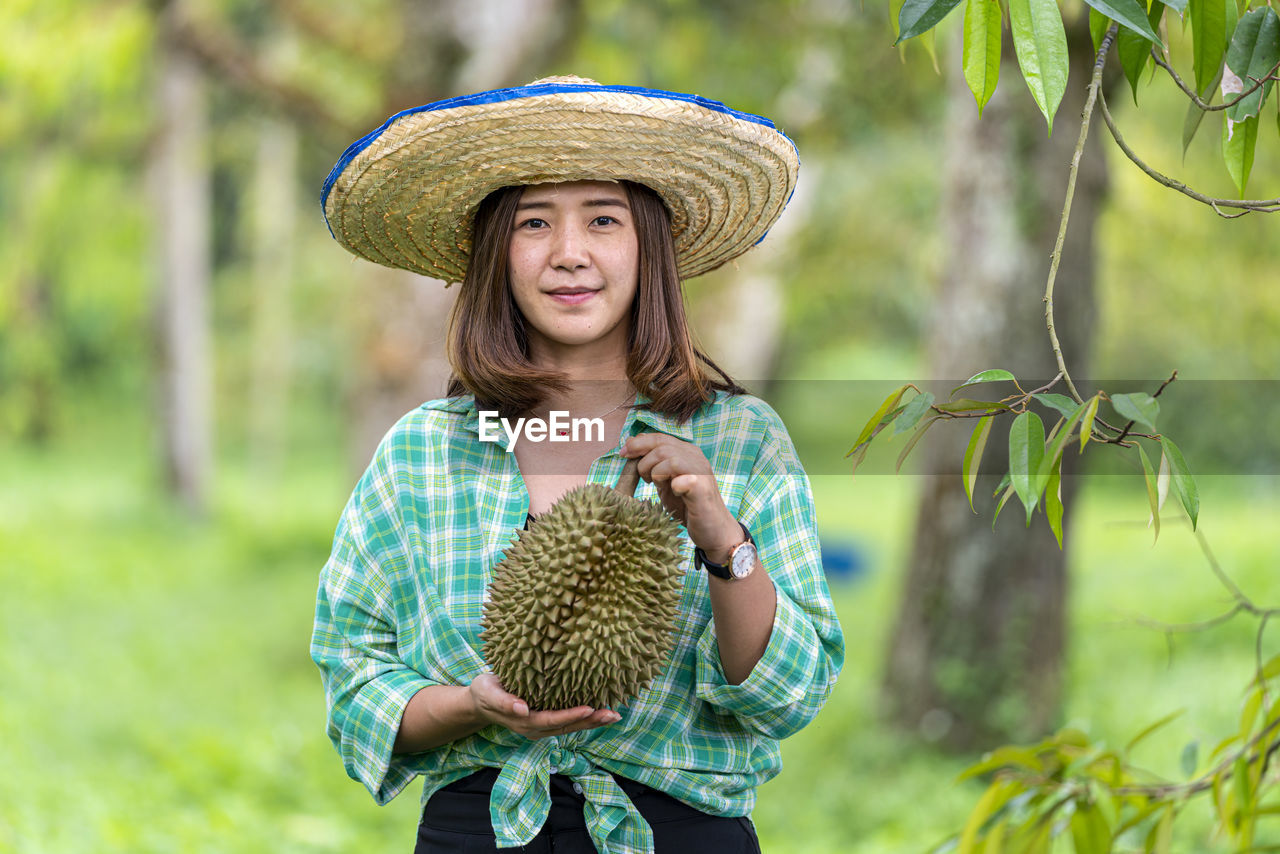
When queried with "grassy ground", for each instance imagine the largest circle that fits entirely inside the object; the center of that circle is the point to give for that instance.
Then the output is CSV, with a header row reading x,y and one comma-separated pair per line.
x,y
156,694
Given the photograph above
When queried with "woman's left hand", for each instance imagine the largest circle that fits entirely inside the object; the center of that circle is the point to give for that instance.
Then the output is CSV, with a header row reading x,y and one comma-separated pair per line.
x,y
687,486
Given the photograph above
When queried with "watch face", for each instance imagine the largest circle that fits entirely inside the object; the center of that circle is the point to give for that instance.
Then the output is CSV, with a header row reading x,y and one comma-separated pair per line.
x,y
744,560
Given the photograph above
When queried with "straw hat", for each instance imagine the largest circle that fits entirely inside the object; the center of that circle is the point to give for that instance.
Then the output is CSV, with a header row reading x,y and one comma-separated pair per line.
x,y
406,194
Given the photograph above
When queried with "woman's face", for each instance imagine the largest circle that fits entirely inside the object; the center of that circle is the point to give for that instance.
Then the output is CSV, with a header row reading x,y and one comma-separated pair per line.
x,y
574,257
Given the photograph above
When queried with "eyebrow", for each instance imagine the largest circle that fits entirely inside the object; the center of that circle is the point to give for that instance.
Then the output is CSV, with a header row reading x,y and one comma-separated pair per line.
x,y
603,202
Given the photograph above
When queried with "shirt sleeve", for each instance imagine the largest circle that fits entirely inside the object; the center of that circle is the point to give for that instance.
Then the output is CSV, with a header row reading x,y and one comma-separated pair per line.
x,y
367,685
795,675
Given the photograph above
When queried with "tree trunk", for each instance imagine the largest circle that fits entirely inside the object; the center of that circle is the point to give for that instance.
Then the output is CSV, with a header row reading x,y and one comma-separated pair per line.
x,y
182,202
274,209
450,48
976,654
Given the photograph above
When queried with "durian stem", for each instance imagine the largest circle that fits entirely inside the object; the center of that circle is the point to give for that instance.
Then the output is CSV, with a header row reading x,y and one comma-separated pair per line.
x,y
629,479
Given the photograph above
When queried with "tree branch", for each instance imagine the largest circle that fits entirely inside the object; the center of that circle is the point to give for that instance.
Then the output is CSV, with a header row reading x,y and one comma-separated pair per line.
x,y
1196,99
349,36
1094,85
237,65
1205,781
1247,205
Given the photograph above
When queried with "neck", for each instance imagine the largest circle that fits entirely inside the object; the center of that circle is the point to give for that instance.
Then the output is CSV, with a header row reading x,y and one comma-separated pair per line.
x,y
590,398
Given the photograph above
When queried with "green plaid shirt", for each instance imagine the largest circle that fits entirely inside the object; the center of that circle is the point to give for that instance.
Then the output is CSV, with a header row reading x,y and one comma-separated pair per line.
x,y
401,596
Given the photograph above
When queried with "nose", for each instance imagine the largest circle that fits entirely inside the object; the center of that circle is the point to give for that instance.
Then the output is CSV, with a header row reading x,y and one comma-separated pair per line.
x,y
569,248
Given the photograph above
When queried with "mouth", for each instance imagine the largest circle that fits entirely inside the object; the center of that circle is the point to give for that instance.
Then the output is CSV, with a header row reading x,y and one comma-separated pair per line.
x,y
571,296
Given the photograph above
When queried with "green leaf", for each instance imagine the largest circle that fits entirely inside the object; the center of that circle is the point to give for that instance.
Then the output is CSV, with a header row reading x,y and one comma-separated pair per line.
x,y
991,376
1026,450
1009,756
875,425
1195,116
1183,483
1209,42
918,16
1129,14
913,412
895,11
1188,759
1040,42
1139,406
1249,713
1135,49
911,443
1062,435
1003,484
1162,479
1109,809
1137,739
1098,26
1243,785
1003,500
1053,501
1270,670
1217,750
994,843
1238,142
981,53
973,455
1152,493
927,40
1086,421
1160,839
1253,53
1233,18
1089,830
996,796
1060,402
859,454
964,404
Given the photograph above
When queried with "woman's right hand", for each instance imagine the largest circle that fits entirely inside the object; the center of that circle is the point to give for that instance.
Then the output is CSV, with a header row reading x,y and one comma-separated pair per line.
x,y
495,705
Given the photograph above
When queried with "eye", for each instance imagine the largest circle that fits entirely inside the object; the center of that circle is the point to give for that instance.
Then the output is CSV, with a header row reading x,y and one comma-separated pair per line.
x,y
532,222
604,220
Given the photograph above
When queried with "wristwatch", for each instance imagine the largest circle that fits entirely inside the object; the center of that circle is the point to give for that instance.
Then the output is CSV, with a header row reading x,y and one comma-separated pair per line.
x,y
742,559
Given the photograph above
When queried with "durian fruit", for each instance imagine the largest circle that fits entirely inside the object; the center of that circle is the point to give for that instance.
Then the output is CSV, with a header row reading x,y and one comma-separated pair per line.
x,y
582,607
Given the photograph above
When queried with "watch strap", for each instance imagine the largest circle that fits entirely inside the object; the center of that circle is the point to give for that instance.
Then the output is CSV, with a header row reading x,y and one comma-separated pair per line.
x,y
721,570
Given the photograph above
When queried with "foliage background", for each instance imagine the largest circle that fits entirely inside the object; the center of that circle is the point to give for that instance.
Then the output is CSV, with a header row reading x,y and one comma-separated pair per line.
x,y
155,691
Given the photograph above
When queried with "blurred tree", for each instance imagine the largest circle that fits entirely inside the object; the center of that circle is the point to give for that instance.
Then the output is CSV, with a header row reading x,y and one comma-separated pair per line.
x,y
428,50
977,650
978,645
449,47
181,184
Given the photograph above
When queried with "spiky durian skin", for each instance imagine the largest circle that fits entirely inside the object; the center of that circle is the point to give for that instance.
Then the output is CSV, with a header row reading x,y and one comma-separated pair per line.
x,y
581,608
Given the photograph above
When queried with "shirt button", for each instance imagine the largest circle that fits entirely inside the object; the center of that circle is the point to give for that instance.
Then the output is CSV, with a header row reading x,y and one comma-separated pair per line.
x,y
577,788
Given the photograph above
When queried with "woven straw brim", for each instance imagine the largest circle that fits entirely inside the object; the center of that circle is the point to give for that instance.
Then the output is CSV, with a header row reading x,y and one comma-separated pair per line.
x,y
406,195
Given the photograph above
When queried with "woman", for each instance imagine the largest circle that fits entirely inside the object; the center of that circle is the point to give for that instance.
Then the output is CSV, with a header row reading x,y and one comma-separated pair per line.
x,y
570,211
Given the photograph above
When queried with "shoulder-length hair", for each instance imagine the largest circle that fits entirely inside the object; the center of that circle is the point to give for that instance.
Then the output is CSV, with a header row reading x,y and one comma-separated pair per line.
x,y
489,346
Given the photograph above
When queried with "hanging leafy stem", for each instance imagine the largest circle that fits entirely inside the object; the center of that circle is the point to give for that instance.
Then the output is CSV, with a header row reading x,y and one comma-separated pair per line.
x,y
1068,789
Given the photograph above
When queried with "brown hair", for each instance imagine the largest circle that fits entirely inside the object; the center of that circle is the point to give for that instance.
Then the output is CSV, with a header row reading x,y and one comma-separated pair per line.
x,y
493,361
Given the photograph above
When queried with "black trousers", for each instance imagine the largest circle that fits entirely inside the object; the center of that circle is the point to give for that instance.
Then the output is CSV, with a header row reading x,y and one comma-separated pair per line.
x,y
456,820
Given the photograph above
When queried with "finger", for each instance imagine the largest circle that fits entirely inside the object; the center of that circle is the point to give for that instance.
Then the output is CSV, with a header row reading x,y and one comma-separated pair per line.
x,y
599,718
649,461
554,720
681,478
684,484
638,446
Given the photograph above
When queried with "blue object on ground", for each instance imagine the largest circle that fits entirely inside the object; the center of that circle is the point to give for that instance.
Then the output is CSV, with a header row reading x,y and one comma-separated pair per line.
x,y
843,560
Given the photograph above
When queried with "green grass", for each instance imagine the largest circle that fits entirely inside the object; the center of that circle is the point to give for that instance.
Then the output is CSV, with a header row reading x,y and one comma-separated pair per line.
x,y
157,694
